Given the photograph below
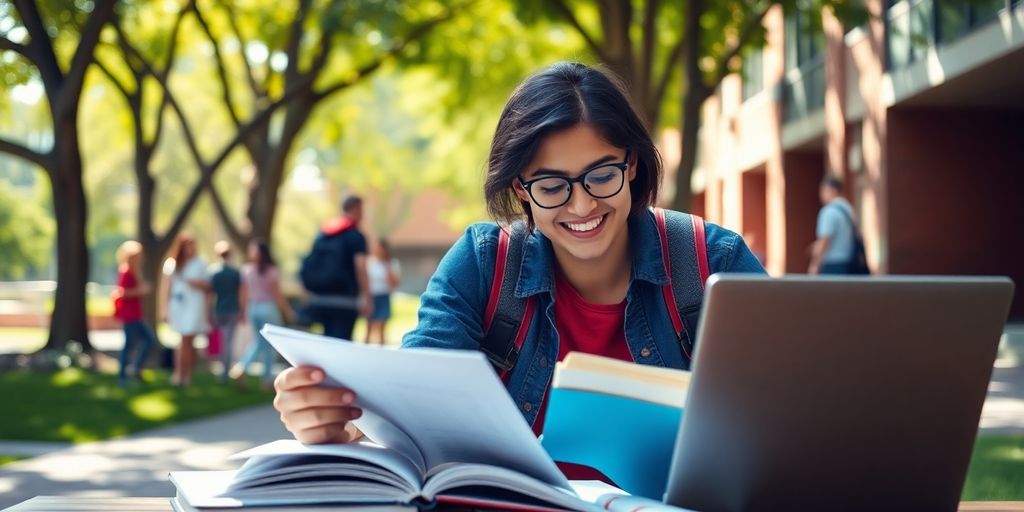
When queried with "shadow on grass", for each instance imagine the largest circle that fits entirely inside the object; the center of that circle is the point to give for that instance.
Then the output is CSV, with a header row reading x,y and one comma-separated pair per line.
x,y
78,406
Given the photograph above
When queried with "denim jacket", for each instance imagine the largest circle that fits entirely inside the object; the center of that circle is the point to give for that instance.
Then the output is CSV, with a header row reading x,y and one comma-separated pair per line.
x,y
452,307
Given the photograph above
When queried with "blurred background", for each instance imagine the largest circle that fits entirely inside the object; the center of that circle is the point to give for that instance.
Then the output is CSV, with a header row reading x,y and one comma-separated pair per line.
x,y
241,119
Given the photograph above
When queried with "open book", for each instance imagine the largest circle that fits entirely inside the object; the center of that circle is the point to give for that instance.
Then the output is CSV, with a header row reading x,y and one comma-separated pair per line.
x,y
618,417
442,428
287,472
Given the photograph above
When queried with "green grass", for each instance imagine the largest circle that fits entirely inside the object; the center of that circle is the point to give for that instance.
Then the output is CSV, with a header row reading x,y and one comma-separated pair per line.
x,y
73,405
997,470
4,459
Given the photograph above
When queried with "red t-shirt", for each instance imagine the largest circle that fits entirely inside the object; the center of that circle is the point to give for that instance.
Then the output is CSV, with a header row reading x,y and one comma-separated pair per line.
x,y
585,327
130,308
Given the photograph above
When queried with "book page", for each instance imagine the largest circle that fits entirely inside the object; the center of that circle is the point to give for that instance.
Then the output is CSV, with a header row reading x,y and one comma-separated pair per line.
x,y
484,483
450,403
286,453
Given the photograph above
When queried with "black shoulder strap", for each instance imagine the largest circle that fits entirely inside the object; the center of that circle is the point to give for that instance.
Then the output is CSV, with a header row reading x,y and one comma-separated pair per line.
x,y
507,317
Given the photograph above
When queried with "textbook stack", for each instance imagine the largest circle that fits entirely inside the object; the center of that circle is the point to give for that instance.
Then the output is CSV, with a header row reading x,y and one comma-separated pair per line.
x,y
617,417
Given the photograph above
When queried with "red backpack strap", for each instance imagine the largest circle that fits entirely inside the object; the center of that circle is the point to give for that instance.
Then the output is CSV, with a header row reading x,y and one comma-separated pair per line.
x,y
685,256
507,318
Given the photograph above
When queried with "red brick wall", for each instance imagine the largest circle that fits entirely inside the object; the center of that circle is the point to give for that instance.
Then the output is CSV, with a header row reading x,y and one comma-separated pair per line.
x,y
956,183
803,176
755,213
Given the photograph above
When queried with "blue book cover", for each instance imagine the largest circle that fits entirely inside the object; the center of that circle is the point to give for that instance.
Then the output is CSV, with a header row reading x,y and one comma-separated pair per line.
x,y
627,439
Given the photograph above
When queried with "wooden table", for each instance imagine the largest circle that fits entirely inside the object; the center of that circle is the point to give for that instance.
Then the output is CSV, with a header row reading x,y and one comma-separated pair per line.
x,y
76,504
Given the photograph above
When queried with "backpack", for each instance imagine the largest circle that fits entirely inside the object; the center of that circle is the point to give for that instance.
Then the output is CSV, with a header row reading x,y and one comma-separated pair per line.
x,y
859,258
324,271
507,318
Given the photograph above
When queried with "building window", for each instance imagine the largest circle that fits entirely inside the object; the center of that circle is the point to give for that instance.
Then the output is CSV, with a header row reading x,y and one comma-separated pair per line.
x,y
912,26
804,82
753,73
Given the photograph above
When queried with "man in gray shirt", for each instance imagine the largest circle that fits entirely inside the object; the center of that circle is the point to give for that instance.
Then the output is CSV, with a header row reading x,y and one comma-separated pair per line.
x,y
226,282
832,252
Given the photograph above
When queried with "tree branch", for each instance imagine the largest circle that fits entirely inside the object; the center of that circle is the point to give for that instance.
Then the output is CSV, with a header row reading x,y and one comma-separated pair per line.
x,y
647,44
113,79
722,66
7,44
40,48
222,71
291,73
225,218
172,49
250,76
569,16
414,35
102,13
13,148
671,59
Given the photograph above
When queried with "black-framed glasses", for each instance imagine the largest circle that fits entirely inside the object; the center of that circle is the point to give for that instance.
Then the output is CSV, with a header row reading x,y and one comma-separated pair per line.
x,y
601,182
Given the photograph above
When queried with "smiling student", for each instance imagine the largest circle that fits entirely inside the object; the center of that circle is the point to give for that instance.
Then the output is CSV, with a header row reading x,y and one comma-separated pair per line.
x,y
573,163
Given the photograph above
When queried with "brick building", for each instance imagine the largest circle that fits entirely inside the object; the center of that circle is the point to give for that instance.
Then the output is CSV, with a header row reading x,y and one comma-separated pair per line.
x,y
920,111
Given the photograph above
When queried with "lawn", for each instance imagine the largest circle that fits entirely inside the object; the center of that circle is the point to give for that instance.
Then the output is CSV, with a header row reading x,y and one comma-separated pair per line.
x,y
997,469
73,405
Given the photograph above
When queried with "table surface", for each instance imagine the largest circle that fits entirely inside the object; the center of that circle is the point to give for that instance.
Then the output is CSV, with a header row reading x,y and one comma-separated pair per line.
x,y
82,504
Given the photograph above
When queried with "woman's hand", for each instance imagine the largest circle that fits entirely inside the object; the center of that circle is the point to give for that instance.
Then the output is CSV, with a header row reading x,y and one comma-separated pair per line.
x,y
313,414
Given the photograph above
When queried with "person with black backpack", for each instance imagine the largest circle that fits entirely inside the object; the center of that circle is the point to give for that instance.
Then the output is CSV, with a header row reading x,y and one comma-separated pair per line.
x,y
334,273
838,248
578,261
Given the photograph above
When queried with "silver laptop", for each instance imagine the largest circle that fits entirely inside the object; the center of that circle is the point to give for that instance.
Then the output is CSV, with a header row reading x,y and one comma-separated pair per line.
x,y
836,393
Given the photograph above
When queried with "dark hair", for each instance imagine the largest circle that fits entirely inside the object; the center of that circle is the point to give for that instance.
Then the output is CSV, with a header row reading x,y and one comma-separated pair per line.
x,y
265,260
557,98
384,244
833,182
350,203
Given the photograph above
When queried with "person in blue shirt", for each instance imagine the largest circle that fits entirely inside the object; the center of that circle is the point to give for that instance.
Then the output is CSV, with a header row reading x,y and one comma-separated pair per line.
x,y
572,157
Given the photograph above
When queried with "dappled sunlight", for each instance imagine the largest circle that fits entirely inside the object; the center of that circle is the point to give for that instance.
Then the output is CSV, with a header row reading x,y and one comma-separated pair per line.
x,y
68,377
155,406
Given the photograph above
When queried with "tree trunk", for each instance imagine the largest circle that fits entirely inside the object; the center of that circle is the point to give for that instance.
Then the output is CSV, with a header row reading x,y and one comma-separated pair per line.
x,y
68,321
694,94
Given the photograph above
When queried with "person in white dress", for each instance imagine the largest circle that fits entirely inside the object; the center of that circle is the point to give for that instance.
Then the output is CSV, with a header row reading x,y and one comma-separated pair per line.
x,y
383,273
187,311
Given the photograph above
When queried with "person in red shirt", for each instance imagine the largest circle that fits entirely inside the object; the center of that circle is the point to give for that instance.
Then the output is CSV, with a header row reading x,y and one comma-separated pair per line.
x,y
128,308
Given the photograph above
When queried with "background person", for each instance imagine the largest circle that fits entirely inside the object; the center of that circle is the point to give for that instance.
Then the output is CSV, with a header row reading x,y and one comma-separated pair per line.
x,y
383,272
187,310
263,303
226,288
128,308
832,251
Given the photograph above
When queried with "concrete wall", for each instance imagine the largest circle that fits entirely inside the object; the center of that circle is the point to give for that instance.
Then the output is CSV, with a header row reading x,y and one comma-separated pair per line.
x,y
956,179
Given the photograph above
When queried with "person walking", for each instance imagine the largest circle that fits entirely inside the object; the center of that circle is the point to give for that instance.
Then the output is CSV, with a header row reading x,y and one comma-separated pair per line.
x,y
383,272
334,273
128,309
834,249
263,303
187,311
226,286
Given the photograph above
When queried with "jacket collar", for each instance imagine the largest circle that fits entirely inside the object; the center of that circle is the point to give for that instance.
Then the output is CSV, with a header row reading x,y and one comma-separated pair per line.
x,y
536,271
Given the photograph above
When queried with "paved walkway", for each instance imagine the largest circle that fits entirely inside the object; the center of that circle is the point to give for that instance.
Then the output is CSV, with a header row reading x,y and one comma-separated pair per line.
x,y
137,465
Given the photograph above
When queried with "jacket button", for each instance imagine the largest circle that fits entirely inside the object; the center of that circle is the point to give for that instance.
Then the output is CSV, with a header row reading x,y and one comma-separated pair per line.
x,y
645,352
527,407
543,362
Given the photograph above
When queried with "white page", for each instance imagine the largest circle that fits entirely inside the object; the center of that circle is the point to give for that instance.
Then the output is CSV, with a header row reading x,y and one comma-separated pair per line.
x,y
450,402
371,452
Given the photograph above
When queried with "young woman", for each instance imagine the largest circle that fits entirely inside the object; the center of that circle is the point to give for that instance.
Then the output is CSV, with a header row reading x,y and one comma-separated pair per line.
x,y
572,158
383,273
187,310
128,308
263,303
